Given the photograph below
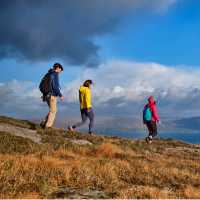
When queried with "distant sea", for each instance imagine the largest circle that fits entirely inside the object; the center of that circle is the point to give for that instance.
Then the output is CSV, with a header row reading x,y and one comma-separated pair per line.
x,y
193,138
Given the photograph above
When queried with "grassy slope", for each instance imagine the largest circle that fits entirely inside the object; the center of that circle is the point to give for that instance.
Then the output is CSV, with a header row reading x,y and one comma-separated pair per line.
x,y
122,168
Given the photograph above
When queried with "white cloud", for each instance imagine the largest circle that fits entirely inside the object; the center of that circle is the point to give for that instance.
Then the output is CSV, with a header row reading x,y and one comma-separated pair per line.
x,y
19,97
120,87
118,83
134,81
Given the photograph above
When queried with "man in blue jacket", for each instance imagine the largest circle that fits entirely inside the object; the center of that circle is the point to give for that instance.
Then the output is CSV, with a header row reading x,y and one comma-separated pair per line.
x,y
54,93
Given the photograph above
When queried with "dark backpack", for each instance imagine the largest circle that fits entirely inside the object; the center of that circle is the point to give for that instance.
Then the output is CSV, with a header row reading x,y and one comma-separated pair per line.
x,y
45,84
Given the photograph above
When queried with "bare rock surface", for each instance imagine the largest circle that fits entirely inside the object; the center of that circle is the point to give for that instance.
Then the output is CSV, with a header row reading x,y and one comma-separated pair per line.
x,y
81,142
22,132
32,134
192,149
74,193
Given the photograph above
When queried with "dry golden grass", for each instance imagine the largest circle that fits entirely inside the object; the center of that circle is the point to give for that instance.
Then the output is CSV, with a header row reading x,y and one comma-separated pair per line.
x,y
32,176
191,191
108,150
64,154
121,168
146,192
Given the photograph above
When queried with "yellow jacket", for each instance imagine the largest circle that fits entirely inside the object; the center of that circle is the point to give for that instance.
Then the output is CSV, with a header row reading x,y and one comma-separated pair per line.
x,y
85,97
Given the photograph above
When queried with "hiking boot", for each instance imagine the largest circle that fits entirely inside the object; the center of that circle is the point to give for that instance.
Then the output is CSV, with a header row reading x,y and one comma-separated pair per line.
x,y
150,137
48,128
70,128
90,133
147,139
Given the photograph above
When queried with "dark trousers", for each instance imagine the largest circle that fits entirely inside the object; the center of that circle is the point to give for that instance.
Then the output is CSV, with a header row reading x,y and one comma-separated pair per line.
x,y
152,128
85,114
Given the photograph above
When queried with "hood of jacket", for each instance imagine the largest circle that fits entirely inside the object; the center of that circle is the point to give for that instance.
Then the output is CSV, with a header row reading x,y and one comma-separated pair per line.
x,y
151,100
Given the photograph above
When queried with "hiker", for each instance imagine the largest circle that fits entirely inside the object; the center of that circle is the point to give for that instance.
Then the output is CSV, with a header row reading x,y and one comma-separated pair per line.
x,y
150,118
85,107
50,88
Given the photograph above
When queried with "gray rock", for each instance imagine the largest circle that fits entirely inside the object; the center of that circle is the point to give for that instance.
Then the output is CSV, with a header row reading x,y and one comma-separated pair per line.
x,y
80,142
74,193
193,149
22,132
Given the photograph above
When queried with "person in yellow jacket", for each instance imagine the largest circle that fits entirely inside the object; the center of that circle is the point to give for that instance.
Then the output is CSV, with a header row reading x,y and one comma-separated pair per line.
x,y
85,106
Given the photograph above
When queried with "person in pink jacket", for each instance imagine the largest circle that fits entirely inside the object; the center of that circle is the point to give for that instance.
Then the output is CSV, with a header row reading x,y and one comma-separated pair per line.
x,y
151,123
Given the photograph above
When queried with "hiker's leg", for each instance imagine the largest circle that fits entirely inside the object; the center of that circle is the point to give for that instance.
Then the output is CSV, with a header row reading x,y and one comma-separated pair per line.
x,y
154,128
84,119
52,111
91,118
44,121
150,129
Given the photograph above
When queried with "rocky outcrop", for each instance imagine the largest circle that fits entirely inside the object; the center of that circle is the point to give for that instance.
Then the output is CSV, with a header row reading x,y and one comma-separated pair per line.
x,y
22,132
74,193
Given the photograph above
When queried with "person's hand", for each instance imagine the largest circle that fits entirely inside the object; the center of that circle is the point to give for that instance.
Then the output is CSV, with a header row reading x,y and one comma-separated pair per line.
x,y
62,98
89,109
159,122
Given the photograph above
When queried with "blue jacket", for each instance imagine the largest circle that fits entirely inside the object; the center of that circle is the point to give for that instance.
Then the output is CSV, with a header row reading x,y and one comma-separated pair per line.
x,y
55,86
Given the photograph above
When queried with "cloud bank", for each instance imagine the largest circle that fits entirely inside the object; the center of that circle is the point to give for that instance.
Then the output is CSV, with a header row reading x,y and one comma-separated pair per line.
x,y
42,30
121,89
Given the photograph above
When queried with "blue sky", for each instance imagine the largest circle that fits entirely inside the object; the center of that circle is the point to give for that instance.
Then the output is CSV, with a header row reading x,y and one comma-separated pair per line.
x,y
131,49
171,38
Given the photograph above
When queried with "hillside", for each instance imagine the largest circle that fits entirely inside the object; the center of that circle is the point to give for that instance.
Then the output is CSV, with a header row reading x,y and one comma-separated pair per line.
x,y
36,163
192,123
182,125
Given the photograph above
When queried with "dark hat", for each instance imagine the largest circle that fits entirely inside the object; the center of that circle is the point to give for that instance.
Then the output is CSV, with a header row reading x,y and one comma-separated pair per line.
x,y
87,83
58,65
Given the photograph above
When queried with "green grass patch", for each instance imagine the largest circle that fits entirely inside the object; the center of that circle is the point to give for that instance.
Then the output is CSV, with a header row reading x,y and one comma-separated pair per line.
x,y
10,144
19,123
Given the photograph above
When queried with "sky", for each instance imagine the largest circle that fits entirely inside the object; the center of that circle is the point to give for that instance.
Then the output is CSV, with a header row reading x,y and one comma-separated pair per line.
x,y
130,49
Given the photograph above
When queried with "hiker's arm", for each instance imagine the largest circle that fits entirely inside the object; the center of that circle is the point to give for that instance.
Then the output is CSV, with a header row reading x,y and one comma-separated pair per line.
x,y
80,99
155,114
88,99
55,86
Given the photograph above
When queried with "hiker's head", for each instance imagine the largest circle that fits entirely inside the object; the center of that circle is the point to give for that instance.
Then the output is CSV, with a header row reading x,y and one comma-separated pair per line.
x,y
87,83
151,100
57,67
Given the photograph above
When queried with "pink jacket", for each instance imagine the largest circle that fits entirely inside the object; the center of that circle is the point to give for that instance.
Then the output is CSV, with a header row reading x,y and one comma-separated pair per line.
x,y
152,106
